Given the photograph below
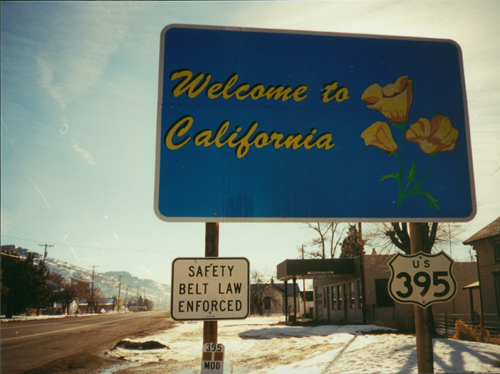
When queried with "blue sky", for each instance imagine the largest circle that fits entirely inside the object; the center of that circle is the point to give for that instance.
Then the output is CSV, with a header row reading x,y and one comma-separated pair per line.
x,y
79,85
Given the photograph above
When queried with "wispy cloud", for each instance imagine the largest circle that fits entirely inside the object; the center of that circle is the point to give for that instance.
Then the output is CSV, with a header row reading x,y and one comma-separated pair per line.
x,y
74,253
6,132
5,222
149,272
100,246
68,70
71,247
46,79
40,192
86,155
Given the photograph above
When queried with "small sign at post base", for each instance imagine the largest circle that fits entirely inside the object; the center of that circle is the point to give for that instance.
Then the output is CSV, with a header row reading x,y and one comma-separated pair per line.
x,y
212,361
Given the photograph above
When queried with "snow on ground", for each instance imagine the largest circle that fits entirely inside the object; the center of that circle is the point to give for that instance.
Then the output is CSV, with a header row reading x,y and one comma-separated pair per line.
x,y
262,345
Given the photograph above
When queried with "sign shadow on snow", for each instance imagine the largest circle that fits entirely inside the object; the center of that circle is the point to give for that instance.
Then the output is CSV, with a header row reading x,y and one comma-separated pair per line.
x,y
457,358
289,332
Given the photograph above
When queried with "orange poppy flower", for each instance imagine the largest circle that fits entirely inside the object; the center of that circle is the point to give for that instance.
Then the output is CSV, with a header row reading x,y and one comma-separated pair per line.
x,y
379,134
436,135
393,100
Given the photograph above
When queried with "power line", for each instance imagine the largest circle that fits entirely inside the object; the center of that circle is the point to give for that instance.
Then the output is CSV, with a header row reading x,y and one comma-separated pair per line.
x,y
137,251
82,246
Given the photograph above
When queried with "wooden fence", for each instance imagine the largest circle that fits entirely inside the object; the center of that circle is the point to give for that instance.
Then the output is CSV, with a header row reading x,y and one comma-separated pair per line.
x,y
446,322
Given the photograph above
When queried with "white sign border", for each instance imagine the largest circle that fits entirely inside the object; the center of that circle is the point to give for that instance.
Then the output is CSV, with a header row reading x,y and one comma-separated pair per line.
x,y
424,306
209,259
158,141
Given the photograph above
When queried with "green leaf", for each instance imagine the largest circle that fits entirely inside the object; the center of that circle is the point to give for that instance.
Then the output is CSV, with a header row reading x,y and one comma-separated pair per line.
x,y
432,202
389,176
413,172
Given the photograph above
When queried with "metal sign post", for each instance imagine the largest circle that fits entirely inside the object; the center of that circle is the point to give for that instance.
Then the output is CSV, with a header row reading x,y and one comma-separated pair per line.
x,y
425,359
210,289
211,250
422,279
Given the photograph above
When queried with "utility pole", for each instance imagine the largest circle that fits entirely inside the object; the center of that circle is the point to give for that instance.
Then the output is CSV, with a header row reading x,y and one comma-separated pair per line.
x,y
425,353
210,328
119,290
304,284
363,275
92,290
45,253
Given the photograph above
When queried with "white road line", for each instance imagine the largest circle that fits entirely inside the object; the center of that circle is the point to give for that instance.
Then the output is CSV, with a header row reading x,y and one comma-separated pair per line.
x,y
55,321
71,328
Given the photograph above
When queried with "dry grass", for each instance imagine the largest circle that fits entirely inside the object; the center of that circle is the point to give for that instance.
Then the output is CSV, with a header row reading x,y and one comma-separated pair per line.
x,y
474,334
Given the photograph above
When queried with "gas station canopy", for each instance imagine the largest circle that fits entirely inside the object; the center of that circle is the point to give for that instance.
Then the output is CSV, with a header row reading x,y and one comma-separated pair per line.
x,y
317,269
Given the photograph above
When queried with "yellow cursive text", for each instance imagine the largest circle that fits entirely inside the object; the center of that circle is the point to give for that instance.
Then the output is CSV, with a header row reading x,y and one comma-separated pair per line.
x,y
177,137
193,86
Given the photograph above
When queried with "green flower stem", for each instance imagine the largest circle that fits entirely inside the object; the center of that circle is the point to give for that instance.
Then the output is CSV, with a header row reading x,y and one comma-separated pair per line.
x,y
432,156
401,194
414,190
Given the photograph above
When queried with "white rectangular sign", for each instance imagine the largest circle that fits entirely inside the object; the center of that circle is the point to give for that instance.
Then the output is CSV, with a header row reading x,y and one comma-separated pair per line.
x,y
212,361
210,288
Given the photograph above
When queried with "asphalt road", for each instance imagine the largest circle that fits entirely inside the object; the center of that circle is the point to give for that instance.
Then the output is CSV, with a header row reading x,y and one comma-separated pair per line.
x,y
71,344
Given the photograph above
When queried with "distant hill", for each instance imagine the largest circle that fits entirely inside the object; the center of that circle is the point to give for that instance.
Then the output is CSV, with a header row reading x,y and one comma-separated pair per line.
x,y
108,282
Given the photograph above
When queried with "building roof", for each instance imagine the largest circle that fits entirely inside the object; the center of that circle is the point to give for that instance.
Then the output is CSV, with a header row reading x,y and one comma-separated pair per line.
x,y
472,286
257,287
493,229
289,288
106,301
316,268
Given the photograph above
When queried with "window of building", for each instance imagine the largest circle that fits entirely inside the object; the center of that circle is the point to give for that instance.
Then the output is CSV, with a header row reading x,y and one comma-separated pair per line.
x,y
319,297
339,293
360,294
353,295
324,297
328,297
334,297
497,291
382,293
497,251
267,303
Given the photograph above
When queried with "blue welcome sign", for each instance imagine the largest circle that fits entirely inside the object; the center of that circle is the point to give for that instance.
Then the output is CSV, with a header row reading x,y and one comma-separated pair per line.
x,y
271,125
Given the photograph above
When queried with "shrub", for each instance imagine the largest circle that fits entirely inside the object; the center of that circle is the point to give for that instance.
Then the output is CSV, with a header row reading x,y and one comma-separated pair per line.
x,y
478,334
464,332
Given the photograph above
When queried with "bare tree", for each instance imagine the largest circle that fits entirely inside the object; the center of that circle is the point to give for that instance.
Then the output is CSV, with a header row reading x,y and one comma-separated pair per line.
x,y
395,236
68,294
329,235
94,297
